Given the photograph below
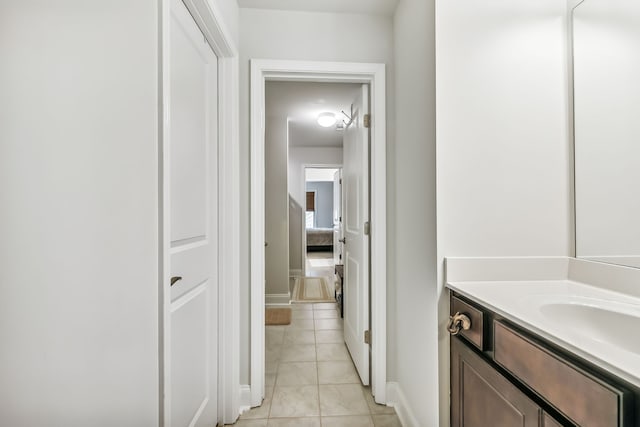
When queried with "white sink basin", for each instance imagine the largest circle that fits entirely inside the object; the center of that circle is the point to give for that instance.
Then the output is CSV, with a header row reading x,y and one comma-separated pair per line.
x,y
613,323
597,324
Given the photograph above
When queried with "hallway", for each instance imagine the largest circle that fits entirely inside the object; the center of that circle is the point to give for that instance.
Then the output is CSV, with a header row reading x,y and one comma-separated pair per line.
x,y
310,378
320,264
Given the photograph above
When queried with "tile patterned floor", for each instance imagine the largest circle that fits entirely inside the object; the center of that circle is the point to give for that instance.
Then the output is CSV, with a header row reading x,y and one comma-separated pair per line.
x,y
310,378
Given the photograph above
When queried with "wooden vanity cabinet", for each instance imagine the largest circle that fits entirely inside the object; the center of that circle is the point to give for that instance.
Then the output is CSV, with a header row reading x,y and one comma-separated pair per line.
x,y
503,376
482,397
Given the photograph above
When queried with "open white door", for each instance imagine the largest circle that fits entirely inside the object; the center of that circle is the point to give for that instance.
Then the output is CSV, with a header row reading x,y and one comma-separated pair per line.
x,y
192,332
337,217
355,180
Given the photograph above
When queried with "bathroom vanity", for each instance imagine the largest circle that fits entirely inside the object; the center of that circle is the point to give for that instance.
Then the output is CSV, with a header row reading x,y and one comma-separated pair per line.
x,y
534,345
505,375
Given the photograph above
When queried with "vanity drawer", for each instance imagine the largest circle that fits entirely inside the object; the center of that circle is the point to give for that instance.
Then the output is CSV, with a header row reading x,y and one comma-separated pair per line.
x,y
476,333
584,399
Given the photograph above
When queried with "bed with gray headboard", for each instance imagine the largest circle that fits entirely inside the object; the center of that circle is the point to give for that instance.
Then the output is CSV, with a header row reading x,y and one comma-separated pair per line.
x,y
319,239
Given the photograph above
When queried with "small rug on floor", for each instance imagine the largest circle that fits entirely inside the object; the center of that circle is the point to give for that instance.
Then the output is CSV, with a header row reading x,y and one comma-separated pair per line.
x,y
312,289
277,316
323,262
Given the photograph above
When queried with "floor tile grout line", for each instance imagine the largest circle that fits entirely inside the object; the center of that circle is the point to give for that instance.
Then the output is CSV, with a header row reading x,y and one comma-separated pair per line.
x,y
315,337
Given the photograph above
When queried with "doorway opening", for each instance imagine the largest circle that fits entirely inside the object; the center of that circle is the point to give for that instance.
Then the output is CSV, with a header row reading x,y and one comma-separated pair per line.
x,y
368,228
322,249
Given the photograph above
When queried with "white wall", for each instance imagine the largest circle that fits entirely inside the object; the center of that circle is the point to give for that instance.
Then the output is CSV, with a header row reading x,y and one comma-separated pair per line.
x,y
276,207
503,176
502,129
320,174
414,205
278,34
300,156
323,202
78,213
296,224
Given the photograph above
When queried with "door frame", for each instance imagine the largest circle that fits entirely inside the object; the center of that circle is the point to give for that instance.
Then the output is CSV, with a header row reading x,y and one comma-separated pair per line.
x,y
211,22
306,166
336,72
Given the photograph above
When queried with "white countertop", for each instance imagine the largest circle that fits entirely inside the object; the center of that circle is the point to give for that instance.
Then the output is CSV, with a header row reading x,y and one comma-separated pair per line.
x,y
597,324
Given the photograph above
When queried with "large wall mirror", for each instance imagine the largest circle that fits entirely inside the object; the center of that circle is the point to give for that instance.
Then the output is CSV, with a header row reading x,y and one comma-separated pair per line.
x,y
606,50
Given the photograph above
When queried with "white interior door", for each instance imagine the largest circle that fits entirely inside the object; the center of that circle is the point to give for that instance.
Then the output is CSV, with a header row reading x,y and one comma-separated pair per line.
x,y
337,217
355,185
193,201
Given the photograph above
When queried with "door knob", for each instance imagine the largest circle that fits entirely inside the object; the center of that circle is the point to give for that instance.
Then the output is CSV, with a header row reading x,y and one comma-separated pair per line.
x,y
458,322
175,279
343,240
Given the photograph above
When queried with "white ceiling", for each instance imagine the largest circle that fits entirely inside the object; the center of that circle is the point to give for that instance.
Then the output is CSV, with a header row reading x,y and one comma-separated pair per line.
x,y
302,102
372,7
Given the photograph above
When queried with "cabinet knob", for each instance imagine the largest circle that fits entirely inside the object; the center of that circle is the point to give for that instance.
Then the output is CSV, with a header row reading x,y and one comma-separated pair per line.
x,y
458,322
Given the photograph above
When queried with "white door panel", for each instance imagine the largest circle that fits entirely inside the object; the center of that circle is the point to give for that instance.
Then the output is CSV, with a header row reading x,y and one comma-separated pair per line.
x,y
193,201
189,140
337,217
355,180
190,352
352,320
353,190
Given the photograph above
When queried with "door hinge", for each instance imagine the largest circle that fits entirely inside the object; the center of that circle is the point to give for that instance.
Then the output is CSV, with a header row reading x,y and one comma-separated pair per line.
x,y
367,228
367,337
340,180
367,120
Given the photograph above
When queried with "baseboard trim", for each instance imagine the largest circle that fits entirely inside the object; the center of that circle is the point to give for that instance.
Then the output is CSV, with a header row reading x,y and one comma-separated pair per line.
x,y
396,399
277,299
296,273
245,397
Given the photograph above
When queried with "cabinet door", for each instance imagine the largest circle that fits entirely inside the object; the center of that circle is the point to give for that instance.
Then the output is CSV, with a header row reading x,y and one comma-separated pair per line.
x,y
547,421
481,397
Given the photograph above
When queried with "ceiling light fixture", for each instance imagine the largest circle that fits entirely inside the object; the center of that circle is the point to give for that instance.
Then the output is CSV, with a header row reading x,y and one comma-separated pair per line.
x,y
327,120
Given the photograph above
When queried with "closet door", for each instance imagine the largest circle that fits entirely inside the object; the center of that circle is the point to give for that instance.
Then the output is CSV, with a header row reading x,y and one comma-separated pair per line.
x,y
193,206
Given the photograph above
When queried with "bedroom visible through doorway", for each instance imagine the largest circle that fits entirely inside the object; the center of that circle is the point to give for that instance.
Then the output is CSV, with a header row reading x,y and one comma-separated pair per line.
x,y
323,218
320,248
